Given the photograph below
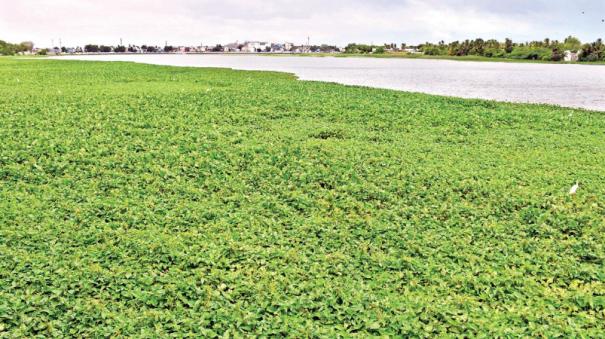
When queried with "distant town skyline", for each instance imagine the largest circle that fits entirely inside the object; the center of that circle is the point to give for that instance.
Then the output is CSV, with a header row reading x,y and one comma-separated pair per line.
x,y
190,22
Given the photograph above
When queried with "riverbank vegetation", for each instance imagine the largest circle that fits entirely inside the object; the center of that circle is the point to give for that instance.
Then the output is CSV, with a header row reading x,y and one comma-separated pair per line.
x,y
571,49
547,50
153,201
7,48
405,55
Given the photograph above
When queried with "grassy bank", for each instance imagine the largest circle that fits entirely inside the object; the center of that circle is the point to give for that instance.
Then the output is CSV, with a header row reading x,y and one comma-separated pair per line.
x,y
140,200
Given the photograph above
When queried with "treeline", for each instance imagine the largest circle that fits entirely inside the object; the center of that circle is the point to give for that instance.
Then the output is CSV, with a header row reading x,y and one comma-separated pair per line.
x,y
103,49
12,49
132,49
364,49
546,50
123,49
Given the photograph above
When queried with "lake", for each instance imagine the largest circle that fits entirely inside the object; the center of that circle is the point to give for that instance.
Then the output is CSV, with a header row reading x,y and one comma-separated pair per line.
x,y
570,85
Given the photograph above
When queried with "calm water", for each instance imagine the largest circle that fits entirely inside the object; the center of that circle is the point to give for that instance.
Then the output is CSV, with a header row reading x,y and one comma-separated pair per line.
x,y
580,86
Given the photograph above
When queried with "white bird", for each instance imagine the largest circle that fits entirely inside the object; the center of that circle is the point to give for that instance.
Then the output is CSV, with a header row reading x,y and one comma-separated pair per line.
x,y
574,189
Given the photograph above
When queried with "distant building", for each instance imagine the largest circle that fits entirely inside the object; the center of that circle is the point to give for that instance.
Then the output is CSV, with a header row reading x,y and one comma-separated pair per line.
x,y
256,46
200,49
53,50
299,49
278,48
571,56
233,47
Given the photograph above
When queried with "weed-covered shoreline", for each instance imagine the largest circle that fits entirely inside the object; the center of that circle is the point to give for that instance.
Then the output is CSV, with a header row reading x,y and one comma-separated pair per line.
x,y
140,200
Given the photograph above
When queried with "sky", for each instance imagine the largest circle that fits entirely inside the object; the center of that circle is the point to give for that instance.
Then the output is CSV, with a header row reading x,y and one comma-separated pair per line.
x,y
195,22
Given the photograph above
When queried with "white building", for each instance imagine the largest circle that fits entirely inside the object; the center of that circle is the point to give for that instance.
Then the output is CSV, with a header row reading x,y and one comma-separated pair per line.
x,y
255,46
571,56
232,47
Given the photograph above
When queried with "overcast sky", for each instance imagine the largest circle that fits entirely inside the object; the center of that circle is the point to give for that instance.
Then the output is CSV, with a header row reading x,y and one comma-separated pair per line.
x,y
191,22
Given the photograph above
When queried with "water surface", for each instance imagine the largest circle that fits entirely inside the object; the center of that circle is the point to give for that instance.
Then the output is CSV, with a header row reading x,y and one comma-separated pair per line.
x,y
581,86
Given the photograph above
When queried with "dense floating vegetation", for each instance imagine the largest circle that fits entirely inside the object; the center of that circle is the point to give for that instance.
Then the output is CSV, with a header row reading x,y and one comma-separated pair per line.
x,y
143,200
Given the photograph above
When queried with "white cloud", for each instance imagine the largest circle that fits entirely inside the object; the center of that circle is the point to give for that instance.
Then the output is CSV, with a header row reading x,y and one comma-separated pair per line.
x,y
78,22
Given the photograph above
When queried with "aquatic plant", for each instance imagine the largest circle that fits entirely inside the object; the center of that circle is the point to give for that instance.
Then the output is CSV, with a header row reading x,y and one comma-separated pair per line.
x,y
151,201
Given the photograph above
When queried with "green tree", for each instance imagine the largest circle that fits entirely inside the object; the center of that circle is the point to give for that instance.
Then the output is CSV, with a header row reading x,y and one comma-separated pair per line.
x,y
508,46
593,52
358,48
572,43
8,48
91,48
27,46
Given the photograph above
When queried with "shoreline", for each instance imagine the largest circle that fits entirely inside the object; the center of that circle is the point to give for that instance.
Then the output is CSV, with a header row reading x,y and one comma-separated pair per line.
x,y
345,55
447,58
